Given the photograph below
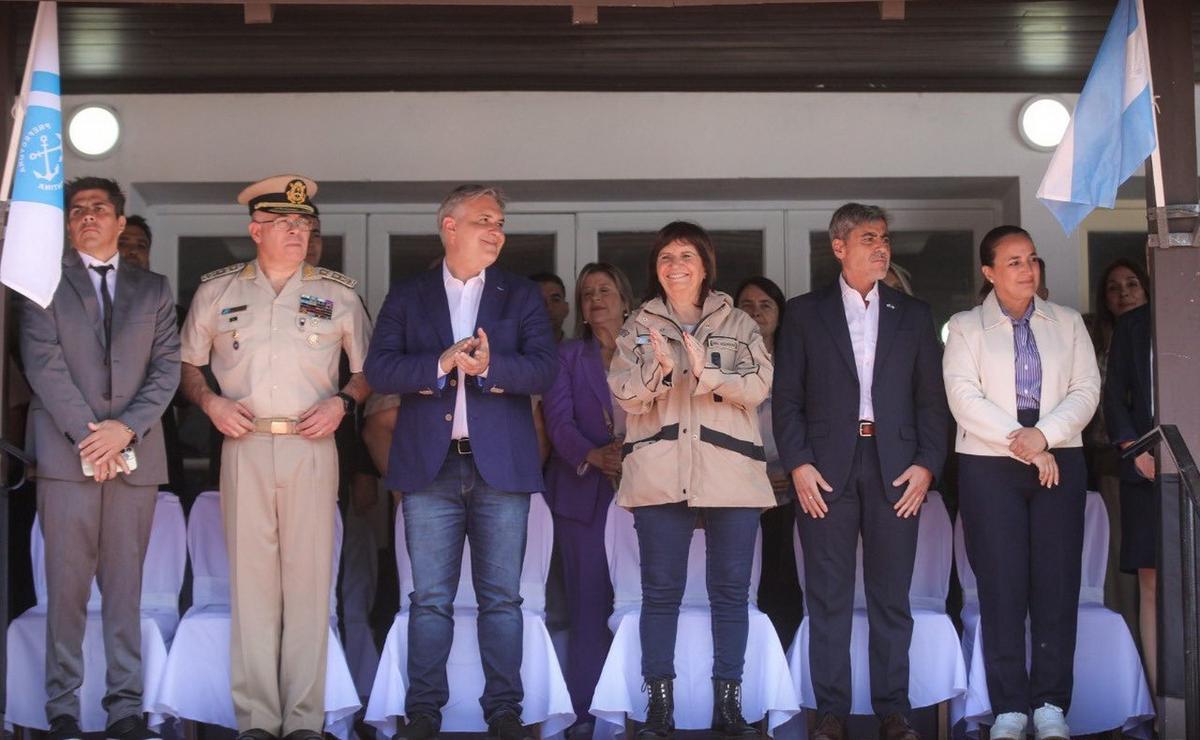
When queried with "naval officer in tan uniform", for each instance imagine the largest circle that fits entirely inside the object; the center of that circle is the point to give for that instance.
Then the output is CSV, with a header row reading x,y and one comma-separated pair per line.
x,y
273,330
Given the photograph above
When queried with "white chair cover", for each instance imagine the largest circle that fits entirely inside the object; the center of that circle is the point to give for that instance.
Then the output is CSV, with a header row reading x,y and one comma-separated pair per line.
x,y
162,577
936,669
1110,690
767,688
195,682
166,560
546,698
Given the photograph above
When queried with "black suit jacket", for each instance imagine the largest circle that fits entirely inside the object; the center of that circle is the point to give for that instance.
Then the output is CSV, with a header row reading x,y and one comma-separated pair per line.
x,y
815,395
1127,384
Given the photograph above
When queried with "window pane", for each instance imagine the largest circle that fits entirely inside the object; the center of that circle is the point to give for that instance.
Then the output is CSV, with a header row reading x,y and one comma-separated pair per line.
x,y
739,256
1106,246
523,254
201,254
941,263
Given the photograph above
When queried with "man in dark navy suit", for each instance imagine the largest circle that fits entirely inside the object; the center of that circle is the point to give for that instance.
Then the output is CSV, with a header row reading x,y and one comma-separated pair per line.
x,y
860,420
466,345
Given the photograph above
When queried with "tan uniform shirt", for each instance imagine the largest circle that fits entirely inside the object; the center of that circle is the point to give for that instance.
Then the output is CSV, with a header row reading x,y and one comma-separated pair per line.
x,y
276,354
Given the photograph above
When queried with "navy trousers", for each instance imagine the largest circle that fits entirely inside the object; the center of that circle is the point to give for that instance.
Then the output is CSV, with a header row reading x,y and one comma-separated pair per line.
x,y
889,549
1025,543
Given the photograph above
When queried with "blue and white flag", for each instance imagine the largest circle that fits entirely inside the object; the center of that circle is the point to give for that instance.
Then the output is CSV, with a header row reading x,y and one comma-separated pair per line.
x,y
1112,130
33,237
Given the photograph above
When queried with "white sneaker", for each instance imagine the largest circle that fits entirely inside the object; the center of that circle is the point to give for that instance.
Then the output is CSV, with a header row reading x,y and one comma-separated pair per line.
x,y
1009,726
1049,723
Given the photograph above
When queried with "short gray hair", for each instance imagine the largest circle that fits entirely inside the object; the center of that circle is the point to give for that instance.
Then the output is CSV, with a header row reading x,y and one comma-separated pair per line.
x,y
846,218
464,193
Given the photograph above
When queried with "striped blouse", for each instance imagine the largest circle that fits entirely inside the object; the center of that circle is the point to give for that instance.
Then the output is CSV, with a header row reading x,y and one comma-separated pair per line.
x,y
1028,362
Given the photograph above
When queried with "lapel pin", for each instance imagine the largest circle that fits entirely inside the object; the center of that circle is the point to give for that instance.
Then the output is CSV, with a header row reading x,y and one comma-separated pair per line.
x,y
891,306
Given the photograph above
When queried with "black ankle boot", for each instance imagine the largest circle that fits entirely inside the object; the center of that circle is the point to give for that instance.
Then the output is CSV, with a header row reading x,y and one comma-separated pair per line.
x,y
660,714
727,710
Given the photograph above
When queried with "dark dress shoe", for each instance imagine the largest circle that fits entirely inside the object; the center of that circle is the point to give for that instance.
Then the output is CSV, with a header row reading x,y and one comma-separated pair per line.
x,y
896,727
64,727
830,727
507,726
132,727
304,735
422,727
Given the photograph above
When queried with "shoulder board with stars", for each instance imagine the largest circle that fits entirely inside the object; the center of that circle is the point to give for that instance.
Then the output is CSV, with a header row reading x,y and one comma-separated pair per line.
x,y
335,276
227,270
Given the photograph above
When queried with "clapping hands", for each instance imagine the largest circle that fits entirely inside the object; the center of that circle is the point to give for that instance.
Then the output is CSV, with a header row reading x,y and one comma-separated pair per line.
x,y
472,355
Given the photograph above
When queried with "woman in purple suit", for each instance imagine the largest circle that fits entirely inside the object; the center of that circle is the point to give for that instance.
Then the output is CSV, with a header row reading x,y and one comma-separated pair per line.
x,y
586,431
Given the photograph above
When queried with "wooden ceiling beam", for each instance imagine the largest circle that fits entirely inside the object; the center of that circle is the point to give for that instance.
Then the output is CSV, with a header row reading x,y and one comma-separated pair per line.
x,y
585,14
891,10
264,6
259,12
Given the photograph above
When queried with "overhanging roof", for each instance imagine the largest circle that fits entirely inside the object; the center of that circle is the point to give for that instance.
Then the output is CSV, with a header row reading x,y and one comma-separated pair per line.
x,y
728,45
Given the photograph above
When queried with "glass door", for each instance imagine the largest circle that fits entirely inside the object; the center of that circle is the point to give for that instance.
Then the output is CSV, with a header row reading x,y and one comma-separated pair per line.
x,y
402,245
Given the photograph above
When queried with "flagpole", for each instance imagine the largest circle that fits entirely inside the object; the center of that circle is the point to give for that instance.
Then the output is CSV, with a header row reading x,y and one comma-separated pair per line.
x,y
1156,155
18,111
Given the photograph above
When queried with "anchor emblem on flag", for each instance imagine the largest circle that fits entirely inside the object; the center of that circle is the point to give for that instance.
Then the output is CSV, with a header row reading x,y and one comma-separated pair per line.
x,y
47,173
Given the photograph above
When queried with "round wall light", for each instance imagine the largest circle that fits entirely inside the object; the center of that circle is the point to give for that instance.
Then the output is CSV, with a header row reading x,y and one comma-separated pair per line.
x,y
1042,122
93,130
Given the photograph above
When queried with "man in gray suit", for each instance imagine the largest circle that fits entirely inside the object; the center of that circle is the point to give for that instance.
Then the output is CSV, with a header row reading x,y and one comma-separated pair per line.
x,y
103,363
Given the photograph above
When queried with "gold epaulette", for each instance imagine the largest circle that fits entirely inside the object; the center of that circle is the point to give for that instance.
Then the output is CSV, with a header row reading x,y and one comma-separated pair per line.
x,y
317,273
227,270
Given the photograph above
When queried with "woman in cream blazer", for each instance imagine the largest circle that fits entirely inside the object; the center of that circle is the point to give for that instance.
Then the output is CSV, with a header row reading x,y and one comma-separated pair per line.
x,y
1022,382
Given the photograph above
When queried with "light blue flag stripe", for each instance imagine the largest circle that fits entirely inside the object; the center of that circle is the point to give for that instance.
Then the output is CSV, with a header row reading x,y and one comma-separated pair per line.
x,y
46,82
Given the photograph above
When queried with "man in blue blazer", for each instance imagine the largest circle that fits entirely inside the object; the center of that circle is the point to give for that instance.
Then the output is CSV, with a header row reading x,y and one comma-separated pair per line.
x,y
861,421
465,345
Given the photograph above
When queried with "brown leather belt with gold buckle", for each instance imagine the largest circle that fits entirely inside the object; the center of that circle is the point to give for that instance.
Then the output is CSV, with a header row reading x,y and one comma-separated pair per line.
x,y
461,446
866,428
276,425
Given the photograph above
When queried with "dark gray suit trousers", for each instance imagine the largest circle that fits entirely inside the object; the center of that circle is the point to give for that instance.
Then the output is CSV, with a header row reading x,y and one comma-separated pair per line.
x,y
102,530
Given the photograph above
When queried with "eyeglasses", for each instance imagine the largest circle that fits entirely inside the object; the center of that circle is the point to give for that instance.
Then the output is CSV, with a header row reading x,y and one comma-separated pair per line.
x,y
290,224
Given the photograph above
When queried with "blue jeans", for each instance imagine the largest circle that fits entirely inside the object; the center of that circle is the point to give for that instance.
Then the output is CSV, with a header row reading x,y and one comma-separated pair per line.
x,y
664,538
458,503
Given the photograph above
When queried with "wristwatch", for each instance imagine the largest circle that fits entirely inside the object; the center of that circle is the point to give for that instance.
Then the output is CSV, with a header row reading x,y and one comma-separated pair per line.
x,y
348,403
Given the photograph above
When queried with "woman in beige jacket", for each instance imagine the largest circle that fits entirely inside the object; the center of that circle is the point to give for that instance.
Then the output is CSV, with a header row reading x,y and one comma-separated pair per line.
x,y
690,371
1022,383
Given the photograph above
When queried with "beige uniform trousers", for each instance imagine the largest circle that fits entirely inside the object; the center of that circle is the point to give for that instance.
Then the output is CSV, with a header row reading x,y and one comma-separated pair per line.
x,y
278,502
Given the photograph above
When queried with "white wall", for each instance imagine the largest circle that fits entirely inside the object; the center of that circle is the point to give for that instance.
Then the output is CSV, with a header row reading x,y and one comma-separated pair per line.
x,y
567,136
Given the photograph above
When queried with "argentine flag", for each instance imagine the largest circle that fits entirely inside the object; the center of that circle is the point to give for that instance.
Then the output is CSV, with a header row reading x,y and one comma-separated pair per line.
x,y
1112,130
33,239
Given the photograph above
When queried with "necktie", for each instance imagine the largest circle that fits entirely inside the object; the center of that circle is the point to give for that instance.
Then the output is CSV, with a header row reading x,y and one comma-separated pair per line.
x,y
106,302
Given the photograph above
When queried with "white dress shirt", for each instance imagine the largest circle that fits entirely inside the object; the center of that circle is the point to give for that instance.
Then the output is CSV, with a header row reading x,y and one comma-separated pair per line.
x,y
88,262
862,317
463,299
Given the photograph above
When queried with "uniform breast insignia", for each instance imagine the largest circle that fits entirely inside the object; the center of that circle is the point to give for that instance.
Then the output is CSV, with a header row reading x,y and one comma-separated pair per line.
x,y
316,307
230,313
227,270
335,276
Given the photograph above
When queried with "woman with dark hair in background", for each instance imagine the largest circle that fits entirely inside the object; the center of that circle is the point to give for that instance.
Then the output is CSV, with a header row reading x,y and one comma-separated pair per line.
x,y
778,587
690,371
586,430
1022,382
1128,413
